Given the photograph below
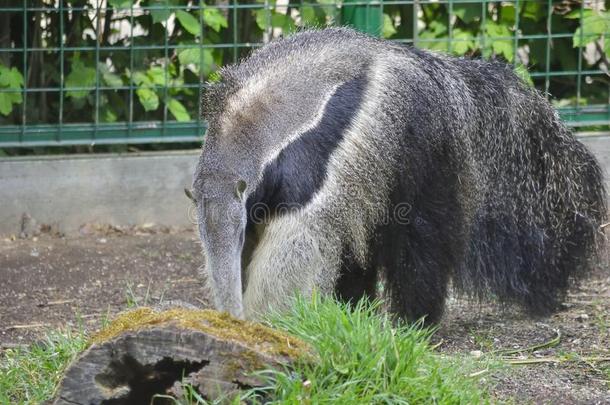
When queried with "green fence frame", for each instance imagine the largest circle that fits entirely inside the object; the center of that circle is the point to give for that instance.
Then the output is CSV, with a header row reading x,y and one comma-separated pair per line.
x,y
366,15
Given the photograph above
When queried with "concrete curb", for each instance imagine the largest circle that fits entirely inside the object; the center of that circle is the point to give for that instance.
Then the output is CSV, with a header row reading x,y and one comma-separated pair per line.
x,y
118,189
68,191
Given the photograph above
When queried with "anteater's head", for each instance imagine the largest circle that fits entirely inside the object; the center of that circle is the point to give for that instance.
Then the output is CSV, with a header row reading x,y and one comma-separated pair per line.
x,y
255,111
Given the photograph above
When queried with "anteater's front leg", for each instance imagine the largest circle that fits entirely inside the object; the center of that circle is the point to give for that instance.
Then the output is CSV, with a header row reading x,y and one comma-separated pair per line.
x,y
289,259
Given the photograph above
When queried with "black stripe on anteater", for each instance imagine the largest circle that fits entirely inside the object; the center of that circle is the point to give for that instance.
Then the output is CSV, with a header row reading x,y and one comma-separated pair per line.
x,y
299,171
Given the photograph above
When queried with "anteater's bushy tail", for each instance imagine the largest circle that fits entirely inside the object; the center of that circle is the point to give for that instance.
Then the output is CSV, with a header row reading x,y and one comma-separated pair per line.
x,y
537,226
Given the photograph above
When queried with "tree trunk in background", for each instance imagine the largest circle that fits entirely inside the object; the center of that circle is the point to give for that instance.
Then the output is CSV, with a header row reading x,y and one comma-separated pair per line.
x,y
5,37
405,29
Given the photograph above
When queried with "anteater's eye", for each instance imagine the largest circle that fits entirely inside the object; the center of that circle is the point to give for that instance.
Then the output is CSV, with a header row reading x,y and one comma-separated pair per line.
x,y
240,188
189,194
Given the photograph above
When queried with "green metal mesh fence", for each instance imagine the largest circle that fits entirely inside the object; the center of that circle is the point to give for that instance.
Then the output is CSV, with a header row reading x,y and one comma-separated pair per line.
x,y
129,71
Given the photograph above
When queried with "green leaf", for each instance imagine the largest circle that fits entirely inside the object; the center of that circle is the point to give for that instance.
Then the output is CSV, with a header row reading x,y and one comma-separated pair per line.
x,y
15,97
6,104
283,21
436,31
141,78
177,82
463,41
388,27
188,22
120,3
214,18
161,15
467,12
187,56
308,15
111,79
576,14
507,15
178,110
262,18
148,98
107,114
500,46
4,76
278,20
15,78
579,39
534,10
80,76
597,24
193,56
504,48
438,28
156,75
593,26
10,79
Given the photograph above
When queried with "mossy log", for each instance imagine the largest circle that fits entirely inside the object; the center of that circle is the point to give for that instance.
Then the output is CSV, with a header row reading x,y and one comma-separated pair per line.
x,y
144,353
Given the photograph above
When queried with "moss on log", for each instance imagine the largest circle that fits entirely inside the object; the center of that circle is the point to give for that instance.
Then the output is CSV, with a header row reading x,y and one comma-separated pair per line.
x,y
146,352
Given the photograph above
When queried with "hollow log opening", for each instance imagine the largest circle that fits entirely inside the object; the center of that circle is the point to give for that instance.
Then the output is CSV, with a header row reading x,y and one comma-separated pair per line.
x,y
127,381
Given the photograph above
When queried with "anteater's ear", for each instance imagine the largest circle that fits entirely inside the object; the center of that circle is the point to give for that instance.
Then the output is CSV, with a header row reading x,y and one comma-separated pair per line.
x,y
189,194
240,188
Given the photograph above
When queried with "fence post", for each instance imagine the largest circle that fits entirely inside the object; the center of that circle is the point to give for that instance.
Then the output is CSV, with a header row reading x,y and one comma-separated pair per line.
x,y
364,16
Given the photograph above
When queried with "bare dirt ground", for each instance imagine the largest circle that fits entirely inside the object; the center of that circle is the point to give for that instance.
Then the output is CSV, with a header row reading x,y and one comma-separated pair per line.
x,y
52,282
575,370
48,282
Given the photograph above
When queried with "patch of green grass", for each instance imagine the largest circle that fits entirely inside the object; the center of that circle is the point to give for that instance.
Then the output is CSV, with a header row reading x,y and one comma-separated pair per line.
x,y
602,320
484,340
191,396
364,358
132,298
606,374
29,375
361,357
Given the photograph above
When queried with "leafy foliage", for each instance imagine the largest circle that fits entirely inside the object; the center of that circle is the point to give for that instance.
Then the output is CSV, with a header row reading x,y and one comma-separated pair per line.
x,y
214,18
188,22
80,76
177,45
595,26
10,79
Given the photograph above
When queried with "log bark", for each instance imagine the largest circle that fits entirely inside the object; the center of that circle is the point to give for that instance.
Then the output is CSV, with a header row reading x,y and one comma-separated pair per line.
x,y
144,353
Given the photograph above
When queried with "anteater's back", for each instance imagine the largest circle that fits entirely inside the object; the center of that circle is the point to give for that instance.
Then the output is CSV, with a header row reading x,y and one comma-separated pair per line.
x,y
421,166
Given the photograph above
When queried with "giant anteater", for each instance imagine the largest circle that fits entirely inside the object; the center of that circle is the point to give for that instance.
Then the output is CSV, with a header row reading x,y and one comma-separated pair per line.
x,y
334,160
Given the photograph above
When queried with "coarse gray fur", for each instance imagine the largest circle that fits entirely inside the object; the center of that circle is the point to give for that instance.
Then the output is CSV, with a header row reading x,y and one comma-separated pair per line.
x,y
448,168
